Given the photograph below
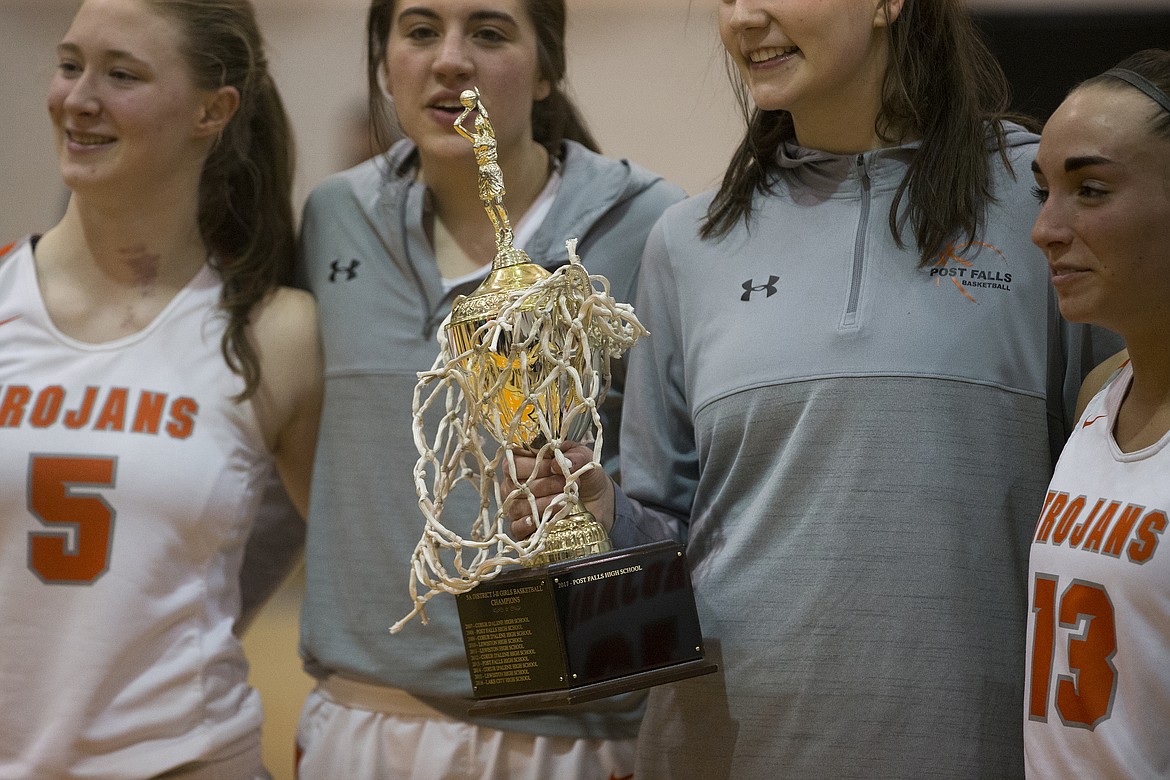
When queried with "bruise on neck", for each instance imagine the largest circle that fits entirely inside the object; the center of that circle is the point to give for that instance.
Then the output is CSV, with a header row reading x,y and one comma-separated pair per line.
x,y
144,267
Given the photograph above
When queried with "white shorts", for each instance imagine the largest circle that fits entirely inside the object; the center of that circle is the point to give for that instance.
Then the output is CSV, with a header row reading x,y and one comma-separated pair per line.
x,y
358,731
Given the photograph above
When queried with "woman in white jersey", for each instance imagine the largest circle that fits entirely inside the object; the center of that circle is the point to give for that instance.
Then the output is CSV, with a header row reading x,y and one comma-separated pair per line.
x,y
154,376
1097,696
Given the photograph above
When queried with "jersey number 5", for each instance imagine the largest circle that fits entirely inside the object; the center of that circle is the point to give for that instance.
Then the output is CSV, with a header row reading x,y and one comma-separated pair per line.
x,y
58,556
1084,697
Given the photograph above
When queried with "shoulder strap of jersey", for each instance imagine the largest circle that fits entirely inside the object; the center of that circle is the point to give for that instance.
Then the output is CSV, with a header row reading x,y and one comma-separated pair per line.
x,y
5,250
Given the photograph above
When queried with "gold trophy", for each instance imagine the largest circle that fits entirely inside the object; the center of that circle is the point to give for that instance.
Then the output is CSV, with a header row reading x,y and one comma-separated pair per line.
x,y
558,617
512,368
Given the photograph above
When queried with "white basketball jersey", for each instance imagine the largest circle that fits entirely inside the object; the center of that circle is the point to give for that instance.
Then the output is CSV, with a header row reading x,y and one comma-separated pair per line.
x,y
130,483
1097,693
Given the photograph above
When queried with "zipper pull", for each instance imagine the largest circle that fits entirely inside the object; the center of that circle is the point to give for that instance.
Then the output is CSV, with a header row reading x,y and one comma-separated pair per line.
x,y
862,170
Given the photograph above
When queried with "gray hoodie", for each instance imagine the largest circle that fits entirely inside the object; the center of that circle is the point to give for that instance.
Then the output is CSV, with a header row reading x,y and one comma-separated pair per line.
x,y
366,257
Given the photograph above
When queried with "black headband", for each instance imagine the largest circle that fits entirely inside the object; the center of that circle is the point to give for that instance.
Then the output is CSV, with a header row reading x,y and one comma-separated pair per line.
x,y
1142,83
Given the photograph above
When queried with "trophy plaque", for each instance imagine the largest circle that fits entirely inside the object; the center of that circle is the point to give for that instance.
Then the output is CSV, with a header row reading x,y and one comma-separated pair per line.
x,y
559,617
582,629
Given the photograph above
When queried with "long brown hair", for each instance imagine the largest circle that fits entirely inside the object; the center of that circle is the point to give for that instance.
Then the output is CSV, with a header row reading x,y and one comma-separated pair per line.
x,y
943,86
245,207
554,119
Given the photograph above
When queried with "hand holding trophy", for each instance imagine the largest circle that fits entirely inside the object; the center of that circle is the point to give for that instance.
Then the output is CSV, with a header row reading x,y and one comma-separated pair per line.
x,y
526,358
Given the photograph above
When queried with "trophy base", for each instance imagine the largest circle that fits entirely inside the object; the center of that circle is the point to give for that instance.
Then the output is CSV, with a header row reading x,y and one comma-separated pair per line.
x,y
583,629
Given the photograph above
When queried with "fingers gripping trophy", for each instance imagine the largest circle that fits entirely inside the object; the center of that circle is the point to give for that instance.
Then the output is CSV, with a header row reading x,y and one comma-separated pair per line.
x,y
525,358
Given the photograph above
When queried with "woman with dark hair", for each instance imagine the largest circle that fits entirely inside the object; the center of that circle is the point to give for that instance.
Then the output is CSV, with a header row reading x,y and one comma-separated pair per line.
x,y
850,405
1096,692
155,375
386,248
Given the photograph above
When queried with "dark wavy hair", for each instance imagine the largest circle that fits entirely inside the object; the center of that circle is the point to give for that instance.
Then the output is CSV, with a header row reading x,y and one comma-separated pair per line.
x,y
1154,66
943,86
245,207
554,119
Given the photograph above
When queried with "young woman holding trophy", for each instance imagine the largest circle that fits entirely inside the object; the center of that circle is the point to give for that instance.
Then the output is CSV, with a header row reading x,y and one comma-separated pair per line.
x,y
849,405
386,248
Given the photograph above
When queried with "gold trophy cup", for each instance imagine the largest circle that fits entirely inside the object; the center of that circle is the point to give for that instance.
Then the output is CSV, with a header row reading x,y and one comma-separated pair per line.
x,y
513,411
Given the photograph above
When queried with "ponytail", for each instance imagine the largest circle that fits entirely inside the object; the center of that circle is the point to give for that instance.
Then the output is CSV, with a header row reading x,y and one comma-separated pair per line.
x,y
245,208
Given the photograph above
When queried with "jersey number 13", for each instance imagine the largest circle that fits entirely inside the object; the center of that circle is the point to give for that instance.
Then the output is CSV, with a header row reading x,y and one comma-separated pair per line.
x,y
1084,696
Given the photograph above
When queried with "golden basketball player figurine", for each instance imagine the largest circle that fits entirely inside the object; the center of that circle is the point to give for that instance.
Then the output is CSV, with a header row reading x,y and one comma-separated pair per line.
x,y
491,178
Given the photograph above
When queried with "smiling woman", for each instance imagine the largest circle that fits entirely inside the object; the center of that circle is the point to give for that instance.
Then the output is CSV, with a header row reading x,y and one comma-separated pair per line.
x,y
850,404
156,378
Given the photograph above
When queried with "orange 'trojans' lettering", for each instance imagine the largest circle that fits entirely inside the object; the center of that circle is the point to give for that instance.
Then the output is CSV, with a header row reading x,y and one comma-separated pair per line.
x,y
115,409
1108,530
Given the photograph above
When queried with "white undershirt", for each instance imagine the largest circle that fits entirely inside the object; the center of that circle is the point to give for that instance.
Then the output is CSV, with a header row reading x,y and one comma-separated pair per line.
x,y
523,231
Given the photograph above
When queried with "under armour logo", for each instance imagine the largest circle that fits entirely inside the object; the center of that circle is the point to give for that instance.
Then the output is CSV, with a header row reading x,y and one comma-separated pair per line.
x,y
750,287
350,271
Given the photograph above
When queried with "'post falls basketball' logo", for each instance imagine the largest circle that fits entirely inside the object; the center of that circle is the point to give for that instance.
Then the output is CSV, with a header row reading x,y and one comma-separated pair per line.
x,y
975,269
